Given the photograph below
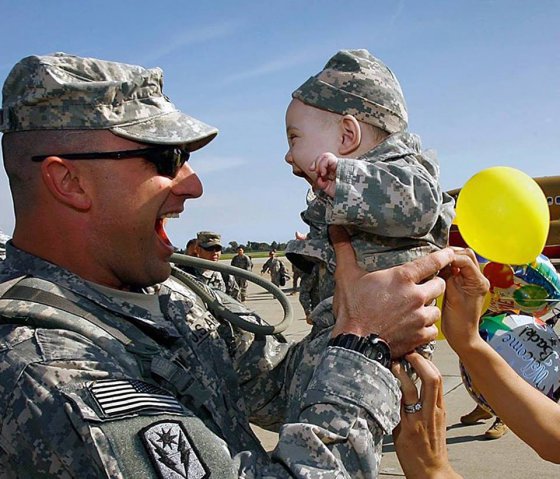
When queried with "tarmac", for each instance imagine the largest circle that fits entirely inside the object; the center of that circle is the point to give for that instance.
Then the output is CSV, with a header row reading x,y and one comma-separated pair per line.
x,y
470,453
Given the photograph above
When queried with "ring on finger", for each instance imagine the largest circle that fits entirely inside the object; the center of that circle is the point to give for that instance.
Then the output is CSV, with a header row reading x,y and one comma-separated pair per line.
x,y
413,408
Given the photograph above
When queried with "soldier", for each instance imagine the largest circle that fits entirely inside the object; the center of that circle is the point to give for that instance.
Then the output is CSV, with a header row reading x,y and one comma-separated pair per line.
x,y
276,269
112,368
209,246
190,248
241,260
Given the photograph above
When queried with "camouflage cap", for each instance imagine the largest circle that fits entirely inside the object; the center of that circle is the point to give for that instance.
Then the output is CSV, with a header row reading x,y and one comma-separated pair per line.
x,y
205,239
66,92
356,83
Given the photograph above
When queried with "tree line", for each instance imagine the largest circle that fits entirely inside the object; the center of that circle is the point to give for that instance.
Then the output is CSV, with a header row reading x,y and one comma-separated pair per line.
x,y
254,246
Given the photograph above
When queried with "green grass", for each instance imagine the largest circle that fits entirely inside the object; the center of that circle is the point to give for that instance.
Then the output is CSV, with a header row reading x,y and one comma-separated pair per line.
x,y
252,254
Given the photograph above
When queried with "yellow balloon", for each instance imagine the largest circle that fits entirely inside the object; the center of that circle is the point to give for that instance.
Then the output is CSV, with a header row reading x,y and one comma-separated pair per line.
x,y
503,215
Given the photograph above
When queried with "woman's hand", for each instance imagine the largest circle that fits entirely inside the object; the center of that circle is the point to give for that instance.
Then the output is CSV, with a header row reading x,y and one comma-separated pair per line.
x,y
466,288
419,438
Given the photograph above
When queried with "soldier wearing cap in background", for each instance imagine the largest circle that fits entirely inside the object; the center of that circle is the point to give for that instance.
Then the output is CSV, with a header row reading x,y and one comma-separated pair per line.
x,y
241,260
112,368
209,247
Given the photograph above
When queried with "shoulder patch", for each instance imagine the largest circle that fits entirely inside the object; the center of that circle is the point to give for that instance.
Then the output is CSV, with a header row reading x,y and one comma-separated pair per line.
x,y
118,397
171,451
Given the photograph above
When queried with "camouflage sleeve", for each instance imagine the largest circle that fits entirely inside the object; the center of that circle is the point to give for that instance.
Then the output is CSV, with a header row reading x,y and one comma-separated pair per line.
x,y
331,406
349,404
266,266
394,198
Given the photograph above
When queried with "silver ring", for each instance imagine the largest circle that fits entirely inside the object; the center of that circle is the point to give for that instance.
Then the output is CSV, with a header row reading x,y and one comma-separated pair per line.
x,y
413,408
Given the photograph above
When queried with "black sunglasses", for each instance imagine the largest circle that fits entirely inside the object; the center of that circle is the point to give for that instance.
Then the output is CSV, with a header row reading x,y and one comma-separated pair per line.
x,y
212,248
167,160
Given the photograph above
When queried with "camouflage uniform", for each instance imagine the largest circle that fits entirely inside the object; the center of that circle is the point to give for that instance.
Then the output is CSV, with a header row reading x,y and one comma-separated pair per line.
x,y
331,406
391,203
274,266
217,280
389,199
220,281
244,262
95,383
3,239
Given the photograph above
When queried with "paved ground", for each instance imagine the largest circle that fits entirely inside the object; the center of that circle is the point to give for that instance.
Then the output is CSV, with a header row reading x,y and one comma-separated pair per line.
x,y
471,455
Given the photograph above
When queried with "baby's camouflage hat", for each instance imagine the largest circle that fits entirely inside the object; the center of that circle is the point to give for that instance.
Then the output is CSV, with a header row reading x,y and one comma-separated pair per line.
x,y
67,92
354,82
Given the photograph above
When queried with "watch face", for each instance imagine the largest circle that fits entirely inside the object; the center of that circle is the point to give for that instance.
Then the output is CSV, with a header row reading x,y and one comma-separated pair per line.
x,y
379,351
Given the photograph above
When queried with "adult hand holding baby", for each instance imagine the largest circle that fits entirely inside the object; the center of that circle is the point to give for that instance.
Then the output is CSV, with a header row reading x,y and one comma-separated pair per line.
x,y
395,303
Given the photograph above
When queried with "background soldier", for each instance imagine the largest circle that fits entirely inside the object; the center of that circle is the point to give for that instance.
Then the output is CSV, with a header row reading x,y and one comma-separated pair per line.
x,y
241,260
209,246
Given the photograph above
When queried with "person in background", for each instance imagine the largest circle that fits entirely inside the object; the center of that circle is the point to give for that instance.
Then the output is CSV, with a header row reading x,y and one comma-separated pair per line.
x,y
241,260
296,277
190,248
209,247
275,267
495,431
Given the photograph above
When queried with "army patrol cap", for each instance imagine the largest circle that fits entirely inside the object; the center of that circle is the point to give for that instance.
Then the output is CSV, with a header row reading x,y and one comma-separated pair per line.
x,y
206,239
67,92
354,82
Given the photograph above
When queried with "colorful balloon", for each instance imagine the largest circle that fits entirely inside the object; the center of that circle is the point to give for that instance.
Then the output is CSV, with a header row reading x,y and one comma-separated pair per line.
x,y
531,288
503,215
530,346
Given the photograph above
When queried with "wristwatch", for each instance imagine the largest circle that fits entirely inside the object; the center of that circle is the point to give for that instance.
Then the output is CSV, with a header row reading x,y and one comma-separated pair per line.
x,y
372,347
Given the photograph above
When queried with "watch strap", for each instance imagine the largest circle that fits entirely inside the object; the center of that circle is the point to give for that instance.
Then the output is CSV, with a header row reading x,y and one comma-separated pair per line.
x,y
372,346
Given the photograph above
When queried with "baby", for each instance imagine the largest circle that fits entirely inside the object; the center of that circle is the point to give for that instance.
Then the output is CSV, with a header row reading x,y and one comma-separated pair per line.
x,y
346,129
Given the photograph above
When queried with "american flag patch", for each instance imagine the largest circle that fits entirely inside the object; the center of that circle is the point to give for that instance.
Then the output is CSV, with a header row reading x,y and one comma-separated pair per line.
x,y
117,397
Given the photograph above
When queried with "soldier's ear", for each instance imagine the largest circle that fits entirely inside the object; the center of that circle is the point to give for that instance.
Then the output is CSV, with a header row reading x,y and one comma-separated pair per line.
x,y
350,134
63,181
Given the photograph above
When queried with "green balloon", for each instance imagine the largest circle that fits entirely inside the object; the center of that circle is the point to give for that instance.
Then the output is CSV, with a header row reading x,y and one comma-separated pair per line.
x,y
530,295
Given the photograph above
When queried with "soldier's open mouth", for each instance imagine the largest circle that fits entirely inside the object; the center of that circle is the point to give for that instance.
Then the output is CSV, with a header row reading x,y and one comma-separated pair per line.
x,y
160,230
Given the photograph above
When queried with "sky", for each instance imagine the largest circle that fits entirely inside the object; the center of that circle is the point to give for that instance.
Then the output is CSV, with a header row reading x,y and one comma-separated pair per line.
x,y
480,80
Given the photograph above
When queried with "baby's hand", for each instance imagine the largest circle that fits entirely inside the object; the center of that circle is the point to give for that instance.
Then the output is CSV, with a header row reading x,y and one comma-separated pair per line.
x,y
325,168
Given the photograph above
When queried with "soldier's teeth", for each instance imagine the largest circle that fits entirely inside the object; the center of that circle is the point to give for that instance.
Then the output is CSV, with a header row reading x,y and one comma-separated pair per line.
x,y
171,215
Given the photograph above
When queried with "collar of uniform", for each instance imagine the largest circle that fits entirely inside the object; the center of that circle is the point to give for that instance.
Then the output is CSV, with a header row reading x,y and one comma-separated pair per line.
x,y
22,262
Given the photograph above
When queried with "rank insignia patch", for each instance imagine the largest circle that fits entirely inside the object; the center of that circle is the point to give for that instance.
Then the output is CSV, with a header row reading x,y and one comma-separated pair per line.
x,y
171,451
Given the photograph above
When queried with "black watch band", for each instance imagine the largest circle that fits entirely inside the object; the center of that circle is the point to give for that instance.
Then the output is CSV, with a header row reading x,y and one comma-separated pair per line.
x,y
372,347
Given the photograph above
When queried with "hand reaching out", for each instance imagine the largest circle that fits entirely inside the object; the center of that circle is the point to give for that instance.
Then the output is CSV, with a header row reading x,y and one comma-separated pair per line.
x,y
325,169
466,288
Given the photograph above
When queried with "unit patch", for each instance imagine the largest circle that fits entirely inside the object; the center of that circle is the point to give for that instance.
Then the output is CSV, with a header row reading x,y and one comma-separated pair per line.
x,y
117,397
172,452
